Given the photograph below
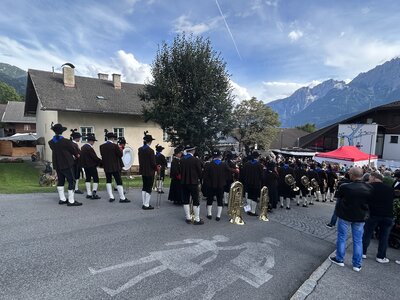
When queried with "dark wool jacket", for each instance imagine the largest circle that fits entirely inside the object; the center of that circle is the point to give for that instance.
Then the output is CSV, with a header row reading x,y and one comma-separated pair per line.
x,y
190,170
88,157
63,153
147,161
353,199
111,156
216,175
381,204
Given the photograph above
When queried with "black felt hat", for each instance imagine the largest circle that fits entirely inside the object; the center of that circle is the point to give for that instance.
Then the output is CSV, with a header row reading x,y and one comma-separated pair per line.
x,y
147,137
189,148
75,134
111,135
216,153
91,137
159,148
58,128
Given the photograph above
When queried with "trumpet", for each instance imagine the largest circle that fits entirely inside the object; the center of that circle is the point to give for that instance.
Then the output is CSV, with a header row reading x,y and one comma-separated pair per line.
x,y
264,200
289,180
235,203
306,182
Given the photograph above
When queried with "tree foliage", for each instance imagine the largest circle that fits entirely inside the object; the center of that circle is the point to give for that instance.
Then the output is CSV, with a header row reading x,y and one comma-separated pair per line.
x,y
256,123
190,94
309,127
8,93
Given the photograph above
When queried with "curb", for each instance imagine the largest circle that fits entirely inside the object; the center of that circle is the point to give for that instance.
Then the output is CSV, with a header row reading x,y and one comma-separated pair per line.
x,y
309,285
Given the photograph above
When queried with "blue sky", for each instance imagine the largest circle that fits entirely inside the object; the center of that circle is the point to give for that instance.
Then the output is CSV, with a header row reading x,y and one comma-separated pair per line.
x,y
271,47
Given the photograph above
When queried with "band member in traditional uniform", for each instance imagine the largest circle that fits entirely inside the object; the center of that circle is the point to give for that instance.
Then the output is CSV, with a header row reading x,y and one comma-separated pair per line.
x,y
175,189
147,168
111,156
215,176
161,161
303,191
90,162
252,181
271,182
234,175
63,155
191,176
312,174
285,191
76,138
321,195
332,178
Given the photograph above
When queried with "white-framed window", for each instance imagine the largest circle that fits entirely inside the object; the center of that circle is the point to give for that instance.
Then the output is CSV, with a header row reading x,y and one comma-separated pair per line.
x,y
394,139
85,131
120,132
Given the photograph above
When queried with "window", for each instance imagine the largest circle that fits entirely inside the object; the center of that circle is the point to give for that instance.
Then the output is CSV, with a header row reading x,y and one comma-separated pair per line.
x,y
85,131
119,132
394,139
27,127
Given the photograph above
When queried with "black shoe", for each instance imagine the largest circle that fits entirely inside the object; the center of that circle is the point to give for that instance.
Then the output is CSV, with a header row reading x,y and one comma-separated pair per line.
x,y
335,261
124,201
76,203
115,189
317,200
78,192
209,217
201,222
95,197
252,214
281,206
287,208
111,200
305,205
331,201
329,225
89,196
217,219
188,221
161,192
147,207
311,203
298,204
62,202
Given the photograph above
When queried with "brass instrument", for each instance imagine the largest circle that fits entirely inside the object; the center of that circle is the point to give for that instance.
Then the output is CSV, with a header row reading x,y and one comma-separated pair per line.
x,y
290,181
235,203
264,200
314,184
306,182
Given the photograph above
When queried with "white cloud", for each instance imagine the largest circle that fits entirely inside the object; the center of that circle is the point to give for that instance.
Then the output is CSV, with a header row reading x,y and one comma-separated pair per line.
x,y
273,90
132,69
183,24
295,35
354,55
239,92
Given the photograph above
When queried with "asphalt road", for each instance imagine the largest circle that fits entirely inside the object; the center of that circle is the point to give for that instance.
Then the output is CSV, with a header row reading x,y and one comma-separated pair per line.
x,y
105,250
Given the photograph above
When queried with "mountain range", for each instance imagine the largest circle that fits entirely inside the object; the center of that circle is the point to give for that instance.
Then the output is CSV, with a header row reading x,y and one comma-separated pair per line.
x,y
14,77
332,100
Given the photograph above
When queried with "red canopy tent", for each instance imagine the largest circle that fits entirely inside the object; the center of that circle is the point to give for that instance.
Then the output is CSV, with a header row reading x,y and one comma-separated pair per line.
x,y
349,155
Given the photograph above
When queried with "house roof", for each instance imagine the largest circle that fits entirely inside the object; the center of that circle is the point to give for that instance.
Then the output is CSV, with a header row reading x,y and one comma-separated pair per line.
x,y
89,95
312,136
14,113
287,137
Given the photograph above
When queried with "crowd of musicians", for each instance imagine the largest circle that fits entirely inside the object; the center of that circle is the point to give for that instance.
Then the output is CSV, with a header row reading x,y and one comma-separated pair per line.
x,y
286,179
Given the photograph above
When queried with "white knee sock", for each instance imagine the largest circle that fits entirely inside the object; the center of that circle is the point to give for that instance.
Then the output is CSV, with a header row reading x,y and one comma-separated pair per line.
x,y
148,196
196,210
120,189
219,211
76,184
95,186
226,195
144,197
109,190
281,200
186,208
88,190
60,190
71,196
298,199
287,202
209,210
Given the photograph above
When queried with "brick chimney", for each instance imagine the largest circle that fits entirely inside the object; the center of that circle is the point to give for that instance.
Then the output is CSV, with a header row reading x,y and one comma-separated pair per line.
x,y
68,74
103,76
117,81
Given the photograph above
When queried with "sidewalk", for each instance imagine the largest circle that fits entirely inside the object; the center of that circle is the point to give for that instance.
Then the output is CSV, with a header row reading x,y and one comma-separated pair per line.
x,y
374,281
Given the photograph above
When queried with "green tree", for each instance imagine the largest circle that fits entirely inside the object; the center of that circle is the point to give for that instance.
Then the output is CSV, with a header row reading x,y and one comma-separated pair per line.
x,y
256,123
309,127
8,93
190,94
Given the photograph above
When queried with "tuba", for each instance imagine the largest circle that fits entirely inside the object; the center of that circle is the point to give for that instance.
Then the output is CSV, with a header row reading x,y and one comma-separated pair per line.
x,y
290,181
306,182
315,184
235,203
264,200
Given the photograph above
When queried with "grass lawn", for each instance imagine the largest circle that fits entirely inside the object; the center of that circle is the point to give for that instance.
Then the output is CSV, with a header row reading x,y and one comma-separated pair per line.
x,y
19,178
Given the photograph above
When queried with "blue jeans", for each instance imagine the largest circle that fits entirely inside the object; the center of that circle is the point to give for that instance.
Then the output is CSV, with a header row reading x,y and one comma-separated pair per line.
x,y
385,225
334,217
357,230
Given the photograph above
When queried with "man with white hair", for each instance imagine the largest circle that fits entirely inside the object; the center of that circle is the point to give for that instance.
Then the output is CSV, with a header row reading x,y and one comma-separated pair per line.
x,y
352,211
